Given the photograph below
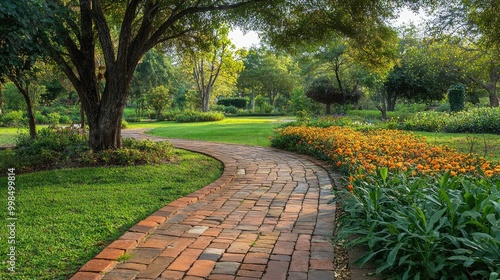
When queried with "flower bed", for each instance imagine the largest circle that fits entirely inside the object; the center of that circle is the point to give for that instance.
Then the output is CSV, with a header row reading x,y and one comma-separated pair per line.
x,y
421,211
351,150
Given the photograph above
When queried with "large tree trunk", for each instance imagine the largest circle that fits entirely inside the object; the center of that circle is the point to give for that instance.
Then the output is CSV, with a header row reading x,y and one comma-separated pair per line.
x,y
493,100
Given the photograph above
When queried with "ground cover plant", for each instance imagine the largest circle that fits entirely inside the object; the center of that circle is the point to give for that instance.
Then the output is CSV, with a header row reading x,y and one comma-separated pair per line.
x,y
67,216
424,227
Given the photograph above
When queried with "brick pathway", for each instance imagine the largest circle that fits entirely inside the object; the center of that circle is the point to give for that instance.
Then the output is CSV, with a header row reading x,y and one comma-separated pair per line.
x,y
267,217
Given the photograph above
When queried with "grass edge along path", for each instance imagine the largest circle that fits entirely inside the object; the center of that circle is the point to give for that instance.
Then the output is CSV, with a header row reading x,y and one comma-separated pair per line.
x,y
65,217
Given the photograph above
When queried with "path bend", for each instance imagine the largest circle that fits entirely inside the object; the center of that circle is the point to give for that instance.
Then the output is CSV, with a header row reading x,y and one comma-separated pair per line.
x,y
267,217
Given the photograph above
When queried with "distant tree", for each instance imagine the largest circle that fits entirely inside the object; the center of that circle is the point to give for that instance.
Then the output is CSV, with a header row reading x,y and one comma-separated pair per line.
x,y
213,63
323,91
154,70
23,43
159,98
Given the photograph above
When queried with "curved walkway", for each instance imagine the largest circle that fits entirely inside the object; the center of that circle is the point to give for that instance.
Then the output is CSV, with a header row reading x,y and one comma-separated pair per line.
x,y
267,217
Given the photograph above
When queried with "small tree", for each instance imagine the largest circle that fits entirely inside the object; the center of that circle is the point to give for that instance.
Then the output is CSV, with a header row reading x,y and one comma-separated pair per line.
x,y
322,91
159,99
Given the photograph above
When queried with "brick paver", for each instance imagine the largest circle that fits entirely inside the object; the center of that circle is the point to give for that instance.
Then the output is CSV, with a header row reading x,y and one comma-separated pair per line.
x,y
267,217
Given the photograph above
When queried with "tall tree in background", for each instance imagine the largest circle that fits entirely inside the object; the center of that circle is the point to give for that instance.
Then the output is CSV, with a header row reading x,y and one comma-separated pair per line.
x,y
471,28
154,70
210,61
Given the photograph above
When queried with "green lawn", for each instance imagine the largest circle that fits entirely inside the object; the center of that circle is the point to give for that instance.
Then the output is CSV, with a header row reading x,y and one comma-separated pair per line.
x,y
254,131
484,145
8,134
65,217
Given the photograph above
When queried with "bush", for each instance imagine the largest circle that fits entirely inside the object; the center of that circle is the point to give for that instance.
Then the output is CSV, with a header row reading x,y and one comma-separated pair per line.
x,y
424,227
238,102
57,147
476,120
53,118
425,121
65,119
13,118
124,124
456,97
41,119
191,116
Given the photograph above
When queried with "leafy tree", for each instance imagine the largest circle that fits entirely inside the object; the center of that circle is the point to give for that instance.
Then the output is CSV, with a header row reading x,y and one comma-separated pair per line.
x,y
126,30
159,98
210,61
322,90
23,43
468,29
154,70
271,75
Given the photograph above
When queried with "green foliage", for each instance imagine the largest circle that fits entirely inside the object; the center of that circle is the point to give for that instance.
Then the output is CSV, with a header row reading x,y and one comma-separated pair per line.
x,y
53,118
238,102
477,120
13,118
192,116
456,97
425,227
57,147
159,98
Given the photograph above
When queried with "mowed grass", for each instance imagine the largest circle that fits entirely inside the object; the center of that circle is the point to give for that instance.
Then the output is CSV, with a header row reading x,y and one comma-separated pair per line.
x,y
485,145
8,135
253,131
66,217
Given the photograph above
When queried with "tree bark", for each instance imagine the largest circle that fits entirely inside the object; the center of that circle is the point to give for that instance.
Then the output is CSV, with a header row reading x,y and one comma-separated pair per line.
x,y
24,90
328,109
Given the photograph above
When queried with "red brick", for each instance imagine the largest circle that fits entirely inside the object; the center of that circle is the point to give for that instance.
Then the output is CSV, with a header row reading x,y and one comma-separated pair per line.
x,y
250,273
322,264
201,242
256,258
255,267
174,249
86,276
201,268
276,270
171,274
230,257
110,254
96,265
300,261
185,260
123,244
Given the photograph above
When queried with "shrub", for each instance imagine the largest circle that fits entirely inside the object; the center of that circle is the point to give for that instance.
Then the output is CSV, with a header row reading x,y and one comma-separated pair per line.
x,y
476,120
456,97
53,118
230,110
13,118
238,102
425,121
65,119
124,124
41,119
191,116
424,227
57,147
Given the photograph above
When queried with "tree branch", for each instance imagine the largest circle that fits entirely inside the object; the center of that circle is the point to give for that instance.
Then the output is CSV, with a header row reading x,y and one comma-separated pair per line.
x,y
104,33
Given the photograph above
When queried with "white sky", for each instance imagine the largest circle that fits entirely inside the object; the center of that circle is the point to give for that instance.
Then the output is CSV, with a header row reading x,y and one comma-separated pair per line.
x,y
251,38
